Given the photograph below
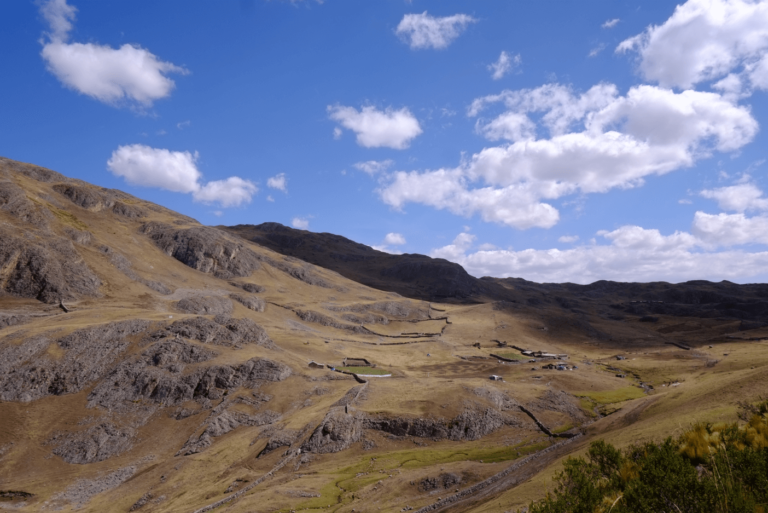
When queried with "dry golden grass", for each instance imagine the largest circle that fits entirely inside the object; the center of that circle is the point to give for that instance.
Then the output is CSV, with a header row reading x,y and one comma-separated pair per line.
x,y
429,380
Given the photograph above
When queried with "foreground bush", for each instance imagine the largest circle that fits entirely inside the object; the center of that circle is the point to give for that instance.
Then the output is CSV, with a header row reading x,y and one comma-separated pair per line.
x,y
711,468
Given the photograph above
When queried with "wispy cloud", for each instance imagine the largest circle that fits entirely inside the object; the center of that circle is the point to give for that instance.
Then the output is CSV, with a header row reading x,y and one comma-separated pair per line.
x,y
424,31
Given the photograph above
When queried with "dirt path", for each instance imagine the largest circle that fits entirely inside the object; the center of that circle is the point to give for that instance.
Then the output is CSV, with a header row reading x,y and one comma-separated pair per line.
x,y
516,473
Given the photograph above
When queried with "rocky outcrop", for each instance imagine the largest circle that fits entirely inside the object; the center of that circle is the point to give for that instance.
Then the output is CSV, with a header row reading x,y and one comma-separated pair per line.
x,y
325,320
48,269
337,432
13,320
343,426
94,444
29,372
445,481
224,423
222,331
407,426
129,211
475,424
158,377
248,287
38,173
205,249
389,308
83,196
251,302
14,201
283,438
208,305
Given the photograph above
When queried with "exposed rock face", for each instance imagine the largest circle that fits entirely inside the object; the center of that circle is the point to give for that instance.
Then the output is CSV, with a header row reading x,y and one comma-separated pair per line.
x,y
85,197
405,426
27,372
389,308
157,376
337,432
14,200
48,270
210,305
445,481
13,320
225,332
474,424
205,249
339,429
324,320
129,211
96,443
224,423
283,438
38,173
248,287
251,302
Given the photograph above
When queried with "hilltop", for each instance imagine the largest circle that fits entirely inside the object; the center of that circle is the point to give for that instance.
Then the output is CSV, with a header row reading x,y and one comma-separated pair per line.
x,y
150,363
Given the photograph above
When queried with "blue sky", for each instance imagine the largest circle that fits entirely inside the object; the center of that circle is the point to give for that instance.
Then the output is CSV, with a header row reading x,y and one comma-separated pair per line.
x,y
555,141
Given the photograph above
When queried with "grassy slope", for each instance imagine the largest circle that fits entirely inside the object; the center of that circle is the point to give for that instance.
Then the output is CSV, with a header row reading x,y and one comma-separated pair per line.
x,y
438,385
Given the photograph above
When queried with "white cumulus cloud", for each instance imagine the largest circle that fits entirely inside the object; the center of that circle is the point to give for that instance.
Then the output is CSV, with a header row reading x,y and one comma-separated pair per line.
x,y
230,192
301,223
126,75
279,182
630,253
611,23
156,167
373,167
730,229
177,171
394,239
705,40
597,141
374,128
504,65
568,239
738,198
425,31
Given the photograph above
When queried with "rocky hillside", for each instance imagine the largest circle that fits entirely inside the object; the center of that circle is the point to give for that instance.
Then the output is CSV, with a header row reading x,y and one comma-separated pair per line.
x,y
150,363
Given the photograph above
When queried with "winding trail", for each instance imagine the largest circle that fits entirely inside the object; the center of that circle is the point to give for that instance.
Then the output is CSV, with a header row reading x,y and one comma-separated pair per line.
x,y
516,473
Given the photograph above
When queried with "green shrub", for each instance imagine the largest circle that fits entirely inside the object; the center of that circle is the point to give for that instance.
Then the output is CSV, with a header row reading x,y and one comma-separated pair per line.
x,y
711,468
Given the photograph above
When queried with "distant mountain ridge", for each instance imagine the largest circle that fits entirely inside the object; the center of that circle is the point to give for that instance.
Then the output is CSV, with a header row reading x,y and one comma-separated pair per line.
x,y
422,277
411,275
